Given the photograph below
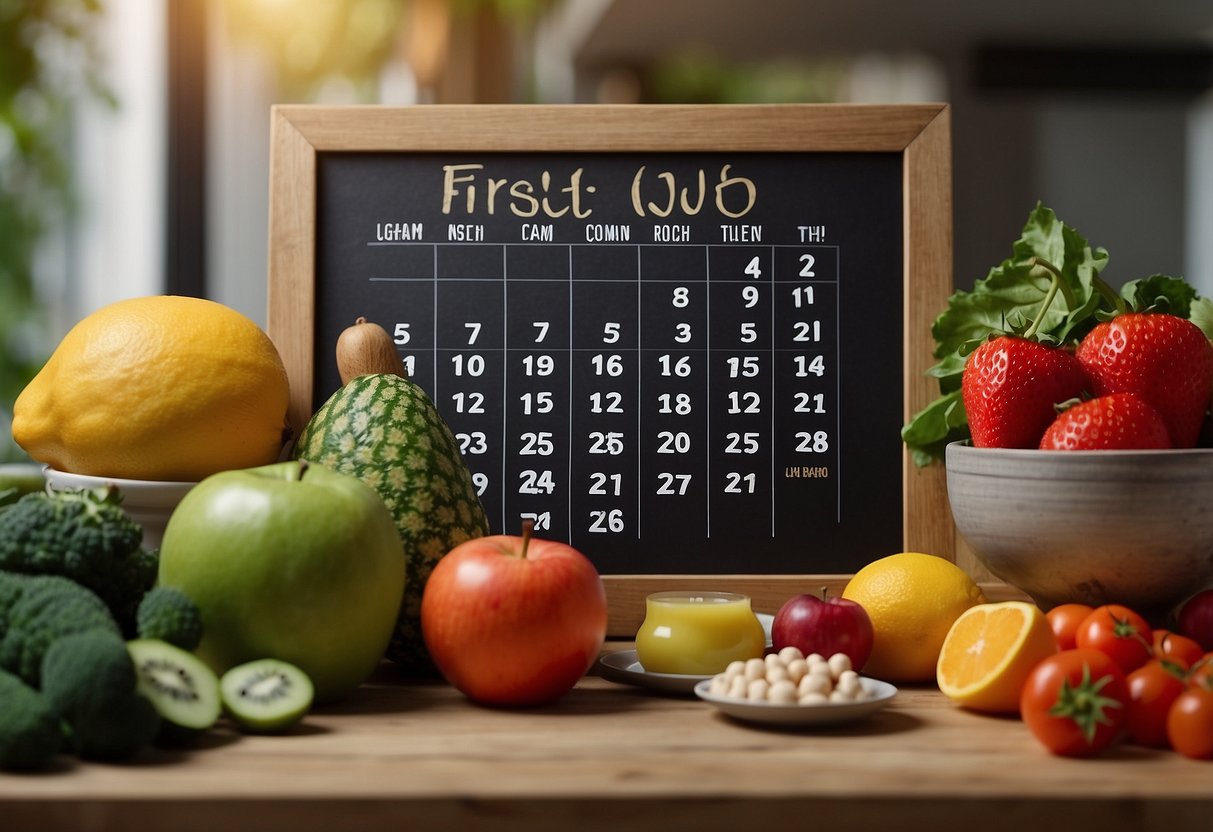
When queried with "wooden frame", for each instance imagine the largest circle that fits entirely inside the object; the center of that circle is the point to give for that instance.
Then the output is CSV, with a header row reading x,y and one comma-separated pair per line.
x,y
920,133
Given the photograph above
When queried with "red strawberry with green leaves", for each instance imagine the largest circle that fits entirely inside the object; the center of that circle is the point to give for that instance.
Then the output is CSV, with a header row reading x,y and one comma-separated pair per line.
x,y
1118,421
1164,359
1011,386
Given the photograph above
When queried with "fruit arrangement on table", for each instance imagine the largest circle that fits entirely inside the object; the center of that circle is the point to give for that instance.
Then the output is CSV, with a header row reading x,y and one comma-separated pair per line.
x,y
289,572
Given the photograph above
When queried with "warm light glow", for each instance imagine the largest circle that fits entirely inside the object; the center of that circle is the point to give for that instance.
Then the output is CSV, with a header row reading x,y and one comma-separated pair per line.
x,y
311,41
428,38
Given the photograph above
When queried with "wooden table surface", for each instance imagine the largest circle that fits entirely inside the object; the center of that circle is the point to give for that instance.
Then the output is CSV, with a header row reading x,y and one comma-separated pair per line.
x,y
412,755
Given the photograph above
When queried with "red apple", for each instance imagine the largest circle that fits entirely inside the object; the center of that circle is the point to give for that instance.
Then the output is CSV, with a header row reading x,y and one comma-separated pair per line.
x,y
829,626
514,620
1196,619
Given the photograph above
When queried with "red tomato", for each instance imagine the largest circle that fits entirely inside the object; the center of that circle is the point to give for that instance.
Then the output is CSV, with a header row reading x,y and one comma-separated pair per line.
x,y
1201,671
1190,723
1065,620
1076,702
1152,690
1120,633
1173,647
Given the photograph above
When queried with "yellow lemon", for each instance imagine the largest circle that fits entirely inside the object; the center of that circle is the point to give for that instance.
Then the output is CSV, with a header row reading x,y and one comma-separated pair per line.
x,y
912,599
989,652
157,388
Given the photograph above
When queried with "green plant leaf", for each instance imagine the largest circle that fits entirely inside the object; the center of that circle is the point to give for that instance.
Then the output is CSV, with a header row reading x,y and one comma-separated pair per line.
x,y
1007,300
1200,312
930,430
1159,293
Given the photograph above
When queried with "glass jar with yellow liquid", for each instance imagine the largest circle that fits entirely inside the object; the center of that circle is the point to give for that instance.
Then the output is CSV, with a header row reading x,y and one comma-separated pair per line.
x,y
697,633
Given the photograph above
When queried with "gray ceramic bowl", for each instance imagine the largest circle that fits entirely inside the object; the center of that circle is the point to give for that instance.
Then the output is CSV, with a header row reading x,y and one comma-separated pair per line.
x,y
1130,527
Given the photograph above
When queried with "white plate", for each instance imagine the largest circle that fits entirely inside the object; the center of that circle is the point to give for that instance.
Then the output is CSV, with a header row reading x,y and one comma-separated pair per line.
x,y
622,666
880,694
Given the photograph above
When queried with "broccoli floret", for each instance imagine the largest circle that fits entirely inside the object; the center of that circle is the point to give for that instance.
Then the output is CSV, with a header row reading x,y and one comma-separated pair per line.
x,y
115,728
82,666
168,614
84,535
46,608
11,586
31,733
90,678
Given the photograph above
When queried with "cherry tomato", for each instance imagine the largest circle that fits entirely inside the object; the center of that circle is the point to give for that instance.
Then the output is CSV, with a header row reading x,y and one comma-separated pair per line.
x,y
1175,648
1118,632
1201,671
1153,687
1076,702
1190,723
1065,620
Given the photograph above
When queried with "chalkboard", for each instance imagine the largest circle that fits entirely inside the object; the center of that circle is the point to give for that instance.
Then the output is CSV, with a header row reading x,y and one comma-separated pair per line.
x,y
687,355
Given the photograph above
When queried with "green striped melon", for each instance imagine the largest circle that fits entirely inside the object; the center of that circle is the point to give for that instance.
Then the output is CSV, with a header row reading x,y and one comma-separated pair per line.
x,y
385,430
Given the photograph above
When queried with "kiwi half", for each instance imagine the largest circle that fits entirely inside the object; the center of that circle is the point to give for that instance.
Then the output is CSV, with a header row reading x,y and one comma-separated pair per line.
x,y
183,690
266,695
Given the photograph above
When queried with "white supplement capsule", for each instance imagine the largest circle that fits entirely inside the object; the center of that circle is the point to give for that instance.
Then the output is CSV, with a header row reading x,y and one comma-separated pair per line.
x,y
755,669
815,658
737,688
735,668
848,683
814,683
758,690
783,692
778,673
790,654
773,660
719,686
839,663
797,670
838,696
813,698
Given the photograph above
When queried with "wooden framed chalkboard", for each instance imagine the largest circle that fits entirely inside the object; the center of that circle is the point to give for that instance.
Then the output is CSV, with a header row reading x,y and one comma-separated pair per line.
x,y
683,338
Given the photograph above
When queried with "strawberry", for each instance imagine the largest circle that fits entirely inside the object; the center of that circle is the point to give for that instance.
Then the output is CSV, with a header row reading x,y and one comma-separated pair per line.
x,y
1117,421
1010,386
1164,359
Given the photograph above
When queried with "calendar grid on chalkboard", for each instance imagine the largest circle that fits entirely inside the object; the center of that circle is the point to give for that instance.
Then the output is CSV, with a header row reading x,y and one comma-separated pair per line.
x,y
762,447
505,389
508,278
759,275
838,427
708,382
771,456
639,392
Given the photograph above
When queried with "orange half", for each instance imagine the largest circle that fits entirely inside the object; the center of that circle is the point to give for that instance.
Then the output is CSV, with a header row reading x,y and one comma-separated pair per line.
x,y
989,652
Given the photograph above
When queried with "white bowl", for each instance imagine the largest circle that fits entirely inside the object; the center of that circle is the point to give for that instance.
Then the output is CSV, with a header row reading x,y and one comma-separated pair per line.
x,y
150,503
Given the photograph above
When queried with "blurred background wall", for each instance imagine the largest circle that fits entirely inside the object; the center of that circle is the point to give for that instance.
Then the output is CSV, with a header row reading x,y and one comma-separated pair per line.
x,y
134,134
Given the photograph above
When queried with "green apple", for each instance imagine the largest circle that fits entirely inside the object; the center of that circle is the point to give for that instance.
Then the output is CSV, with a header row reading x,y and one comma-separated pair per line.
x,y
289,561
